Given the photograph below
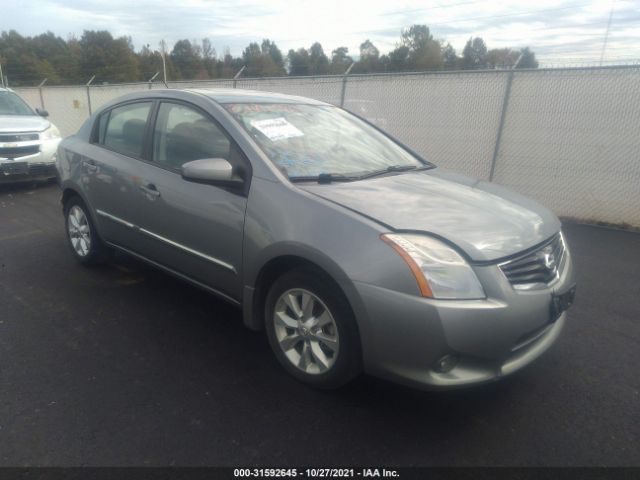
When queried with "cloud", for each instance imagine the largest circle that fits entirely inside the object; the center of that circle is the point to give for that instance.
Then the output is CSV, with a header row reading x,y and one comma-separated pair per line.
x,y
555,30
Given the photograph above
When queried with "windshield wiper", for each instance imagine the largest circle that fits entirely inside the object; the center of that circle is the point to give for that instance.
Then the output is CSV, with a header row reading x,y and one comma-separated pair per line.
x,y
326,178
339,177
392,169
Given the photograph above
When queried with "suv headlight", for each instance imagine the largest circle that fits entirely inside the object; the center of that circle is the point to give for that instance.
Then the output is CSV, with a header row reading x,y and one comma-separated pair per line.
x,y
50,133
441,272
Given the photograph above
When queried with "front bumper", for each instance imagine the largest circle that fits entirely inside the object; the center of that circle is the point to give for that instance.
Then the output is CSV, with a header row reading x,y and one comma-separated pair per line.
x,y
404,336
37,166
16,172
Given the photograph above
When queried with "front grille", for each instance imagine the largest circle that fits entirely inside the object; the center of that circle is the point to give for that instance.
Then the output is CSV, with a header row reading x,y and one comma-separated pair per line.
x,y
18,137
540,267
37,169
17,152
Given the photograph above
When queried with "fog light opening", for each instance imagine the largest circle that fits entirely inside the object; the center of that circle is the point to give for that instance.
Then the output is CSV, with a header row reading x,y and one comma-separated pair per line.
x,y
446,363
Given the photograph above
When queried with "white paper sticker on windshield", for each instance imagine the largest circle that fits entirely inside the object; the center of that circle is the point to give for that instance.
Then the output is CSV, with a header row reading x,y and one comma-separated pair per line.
x,y
276,128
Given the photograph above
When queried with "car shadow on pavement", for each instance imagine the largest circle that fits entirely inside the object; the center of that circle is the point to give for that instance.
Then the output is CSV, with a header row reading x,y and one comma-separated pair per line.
x,y
380,396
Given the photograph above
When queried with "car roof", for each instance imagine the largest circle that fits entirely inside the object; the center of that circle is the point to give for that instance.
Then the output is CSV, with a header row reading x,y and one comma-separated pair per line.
x,y
216,95
233,95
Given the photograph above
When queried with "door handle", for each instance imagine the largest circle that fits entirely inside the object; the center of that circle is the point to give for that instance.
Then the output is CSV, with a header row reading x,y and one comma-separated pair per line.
x,y
150,190
90,167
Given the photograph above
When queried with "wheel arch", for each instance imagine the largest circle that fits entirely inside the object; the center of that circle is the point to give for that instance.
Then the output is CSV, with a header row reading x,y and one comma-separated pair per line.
x,y
274,266
69,191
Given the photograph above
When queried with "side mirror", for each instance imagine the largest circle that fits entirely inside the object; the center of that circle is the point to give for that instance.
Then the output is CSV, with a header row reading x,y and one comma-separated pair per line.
x,y
42,113
210,170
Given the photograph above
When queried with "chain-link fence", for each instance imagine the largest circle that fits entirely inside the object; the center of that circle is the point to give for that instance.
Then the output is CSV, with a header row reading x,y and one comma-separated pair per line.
x,y
569,138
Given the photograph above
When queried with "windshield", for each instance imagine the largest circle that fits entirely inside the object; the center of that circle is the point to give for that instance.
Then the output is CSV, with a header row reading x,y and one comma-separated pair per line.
x,y
12,104
310,140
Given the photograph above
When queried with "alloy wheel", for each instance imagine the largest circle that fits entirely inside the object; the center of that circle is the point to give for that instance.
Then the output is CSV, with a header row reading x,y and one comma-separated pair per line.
x,y
79,231
306,331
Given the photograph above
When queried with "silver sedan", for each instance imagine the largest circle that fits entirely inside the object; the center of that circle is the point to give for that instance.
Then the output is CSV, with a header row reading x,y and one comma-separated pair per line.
x,y
351,251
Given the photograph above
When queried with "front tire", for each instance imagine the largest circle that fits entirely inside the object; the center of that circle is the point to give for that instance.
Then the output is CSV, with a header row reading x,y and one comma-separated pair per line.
x,y
311,329
82,236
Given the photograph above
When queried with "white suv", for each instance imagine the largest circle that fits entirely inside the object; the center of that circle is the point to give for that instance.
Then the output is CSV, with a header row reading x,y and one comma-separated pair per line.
x,y
28,141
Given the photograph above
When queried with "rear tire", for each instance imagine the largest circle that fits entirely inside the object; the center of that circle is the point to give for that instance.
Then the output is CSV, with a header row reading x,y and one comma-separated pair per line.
x,y
311,329
82,236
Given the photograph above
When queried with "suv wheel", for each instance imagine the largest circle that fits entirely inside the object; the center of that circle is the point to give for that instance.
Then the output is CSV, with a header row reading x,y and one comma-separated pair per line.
x,y
82,235
311,329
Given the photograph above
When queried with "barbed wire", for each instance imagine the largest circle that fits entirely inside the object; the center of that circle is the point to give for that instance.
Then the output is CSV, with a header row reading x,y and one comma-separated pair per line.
x,y
557,63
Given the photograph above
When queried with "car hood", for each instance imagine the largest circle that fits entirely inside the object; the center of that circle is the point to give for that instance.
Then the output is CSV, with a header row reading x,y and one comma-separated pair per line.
x,y
485,220
23,123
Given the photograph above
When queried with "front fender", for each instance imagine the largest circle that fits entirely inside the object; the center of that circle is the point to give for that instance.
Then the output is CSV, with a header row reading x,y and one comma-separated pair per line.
x,y
304,253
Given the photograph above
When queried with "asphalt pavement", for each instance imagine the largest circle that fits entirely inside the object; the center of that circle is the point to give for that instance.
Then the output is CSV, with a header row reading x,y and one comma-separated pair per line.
x,y
124,365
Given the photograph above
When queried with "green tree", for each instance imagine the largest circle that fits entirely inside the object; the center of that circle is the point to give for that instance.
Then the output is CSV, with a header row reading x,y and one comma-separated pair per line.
x,y
450,59
14,50
150,62
259,60
109,59
271,49
501,58
187,61
424,52
299,63
417,50
62,57
228,66
416,37
528,59
369,58
340,60
399,59
252,56
474,54
70,72
318,61
28,61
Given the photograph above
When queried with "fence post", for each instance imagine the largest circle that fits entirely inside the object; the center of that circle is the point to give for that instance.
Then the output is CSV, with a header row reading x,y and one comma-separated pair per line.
x,y
152,79
503,113
237,75
344,84
40,92
89,94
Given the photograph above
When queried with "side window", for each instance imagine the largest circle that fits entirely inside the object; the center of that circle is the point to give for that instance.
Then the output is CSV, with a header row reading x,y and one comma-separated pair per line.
x,y
183,134
124,129
102,126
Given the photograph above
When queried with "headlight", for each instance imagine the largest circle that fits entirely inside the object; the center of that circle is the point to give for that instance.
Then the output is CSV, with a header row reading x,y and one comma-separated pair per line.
x,y
50,133
440,271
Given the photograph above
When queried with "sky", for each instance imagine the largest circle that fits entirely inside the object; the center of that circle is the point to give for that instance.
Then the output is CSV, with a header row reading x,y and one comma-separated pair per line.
x,y
559,31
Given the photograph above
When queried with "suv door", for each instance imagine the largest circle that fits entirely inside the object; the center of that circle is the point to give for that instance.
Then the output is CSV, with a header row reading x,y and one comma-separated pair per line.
x,y
193,228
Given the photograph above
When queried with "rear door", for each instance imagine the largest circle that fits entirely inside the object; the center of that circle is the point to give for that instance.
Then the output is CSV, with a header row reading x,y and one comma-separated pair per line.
x,y
109,169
